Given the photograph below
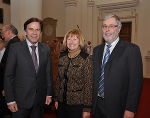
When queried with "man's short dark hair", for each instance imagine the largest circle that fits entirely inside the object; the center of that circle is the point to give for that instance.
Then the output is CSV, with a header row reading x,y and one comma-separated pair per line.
x,y
33,20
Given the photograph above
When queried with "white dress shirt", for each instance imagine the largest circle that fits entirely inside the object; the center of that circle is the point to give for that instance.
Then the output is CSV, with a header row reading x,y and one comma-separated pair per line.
x,y
2,53
36,49
111,48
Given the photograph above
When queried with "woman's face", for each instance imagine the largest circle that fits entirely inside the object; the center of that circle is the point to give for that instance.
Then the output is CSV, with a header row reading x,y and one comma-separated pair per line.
x,y
73,42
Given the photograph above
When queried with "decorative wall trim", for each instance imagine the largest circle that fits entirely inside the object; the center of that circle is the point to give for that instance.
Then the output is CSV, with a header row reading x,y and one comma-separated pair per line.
x,y
70,3
91,3
118,5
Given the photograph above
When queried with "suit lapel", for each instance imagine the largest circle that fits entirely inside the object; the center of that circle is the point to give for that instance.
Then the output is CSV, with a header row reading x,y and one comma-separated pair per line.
x,y
115,51
40,55
114,54
27,54
99,58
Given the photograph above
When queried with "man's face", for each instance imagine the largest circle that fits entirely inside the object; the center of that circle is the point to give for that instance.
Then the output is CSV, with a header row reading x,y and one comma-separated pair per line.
x,y
5,34
33,32
110,30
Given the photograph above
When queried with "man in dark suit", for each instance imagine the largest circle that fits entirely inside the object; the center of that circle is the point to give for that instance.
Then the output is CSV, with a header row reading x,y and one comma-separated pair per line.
x,y
9,33
28,75
118,75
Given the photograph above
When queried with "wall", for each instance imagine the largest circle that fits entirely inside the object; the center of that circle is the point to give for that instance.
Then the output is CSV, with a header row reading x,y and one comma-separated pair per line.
x,y
55,9
144,32
21,10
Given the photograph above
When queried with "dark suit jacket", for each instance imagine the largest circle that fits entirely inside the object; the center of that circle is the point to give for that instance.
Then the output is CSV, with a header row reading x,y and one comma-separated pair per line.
x,y
22,84
123,78
4,59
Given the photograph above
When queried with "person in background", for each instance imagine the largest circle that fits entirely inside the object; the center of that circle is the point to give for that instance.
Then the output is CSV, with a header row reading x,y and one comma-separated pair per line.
x,y
9,34
89,48
73,94
2,47
28,81
118,74
21,37
2,50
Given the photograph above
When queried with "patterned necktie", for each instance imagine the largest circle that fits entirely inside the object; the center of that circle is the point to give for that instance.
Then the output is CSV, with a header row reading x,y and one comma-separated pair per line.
x,y
34,57
101,82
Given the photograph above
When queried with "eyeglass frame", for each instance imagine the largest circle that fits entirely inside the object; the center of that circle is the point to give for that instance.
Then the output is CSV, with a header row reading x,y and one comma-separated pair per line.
x,y
109,27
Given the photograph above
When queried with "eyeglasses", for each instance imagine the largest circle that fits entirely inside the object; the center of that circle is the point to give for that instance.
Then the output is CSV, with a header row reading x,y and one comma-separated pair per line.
x,y
109,27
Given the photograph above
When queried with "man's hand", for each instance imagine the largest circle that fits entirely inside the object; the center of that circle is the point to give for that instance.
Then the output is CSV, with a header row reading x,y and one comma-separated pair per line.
x,y
86,115
48,100
13,107
128,114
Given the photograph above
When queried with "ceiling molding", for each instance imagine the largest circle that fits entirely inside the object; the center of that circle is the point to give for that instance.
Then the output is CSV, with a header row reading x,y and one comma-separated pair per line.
x,y
91,3
118,5
70,2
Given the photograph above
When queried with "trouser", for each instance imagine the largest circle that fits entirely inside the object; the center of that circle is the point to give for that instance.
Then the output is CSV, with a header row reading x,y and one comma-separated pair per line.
x,y
34,112
100,109
69,111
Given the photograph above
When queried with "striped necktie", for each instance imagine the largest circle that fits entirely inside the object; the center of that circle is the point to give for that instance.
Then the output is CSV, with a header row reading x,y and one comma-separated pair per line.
x,y
101,81
34,57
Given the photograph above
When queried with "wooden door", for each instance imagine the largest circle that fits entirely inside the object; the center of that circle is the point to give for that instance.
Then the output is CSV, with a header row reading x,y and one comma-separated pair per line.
x,y
126,30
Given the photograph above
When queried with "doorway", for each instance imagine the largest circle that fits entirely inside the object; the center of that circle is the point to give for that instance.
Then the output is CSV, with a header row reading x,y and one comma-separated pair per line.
x,y
126,31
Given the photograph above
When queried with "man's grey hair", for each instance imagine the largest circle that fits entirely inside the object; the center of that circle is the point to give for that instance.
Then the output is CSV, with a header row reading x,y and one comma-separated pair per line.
x,y
12,28
113,16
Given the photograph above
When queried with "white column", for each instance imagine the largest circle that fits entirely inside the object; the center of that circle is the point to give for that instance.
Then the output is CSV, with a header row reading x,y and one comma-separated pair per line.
x,y
90,21
84,23
21,10
70,14
81,13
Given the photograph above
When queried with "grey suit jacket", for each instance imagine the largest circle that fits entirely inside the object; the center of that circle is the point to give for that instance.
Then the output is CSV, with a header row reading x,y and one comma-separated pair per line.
x,y
21,82
123,78
4,60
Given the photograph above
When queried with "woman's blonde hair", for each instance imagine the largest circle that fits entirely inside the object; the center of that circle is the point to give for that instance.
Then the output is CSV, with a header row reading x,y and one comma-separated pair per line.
x,y
78,34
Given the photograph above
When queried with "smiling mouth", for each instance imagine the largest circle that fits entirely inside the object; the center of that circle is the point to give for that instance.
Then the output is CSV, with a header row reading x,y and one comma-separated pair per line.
x,y
72,45
34,36
108,34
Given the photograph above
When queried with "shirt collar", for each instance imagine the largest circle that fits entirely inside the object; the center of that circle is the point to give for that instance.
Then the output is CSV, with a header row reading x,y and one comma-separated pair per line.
x,y
113,44
30,44
13,37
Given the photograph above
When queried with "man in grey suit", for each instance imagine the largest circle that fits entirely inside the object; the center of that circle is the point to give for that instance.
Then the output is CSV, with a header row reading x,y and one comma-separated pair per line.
x,y
118,74
9,34
28,75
